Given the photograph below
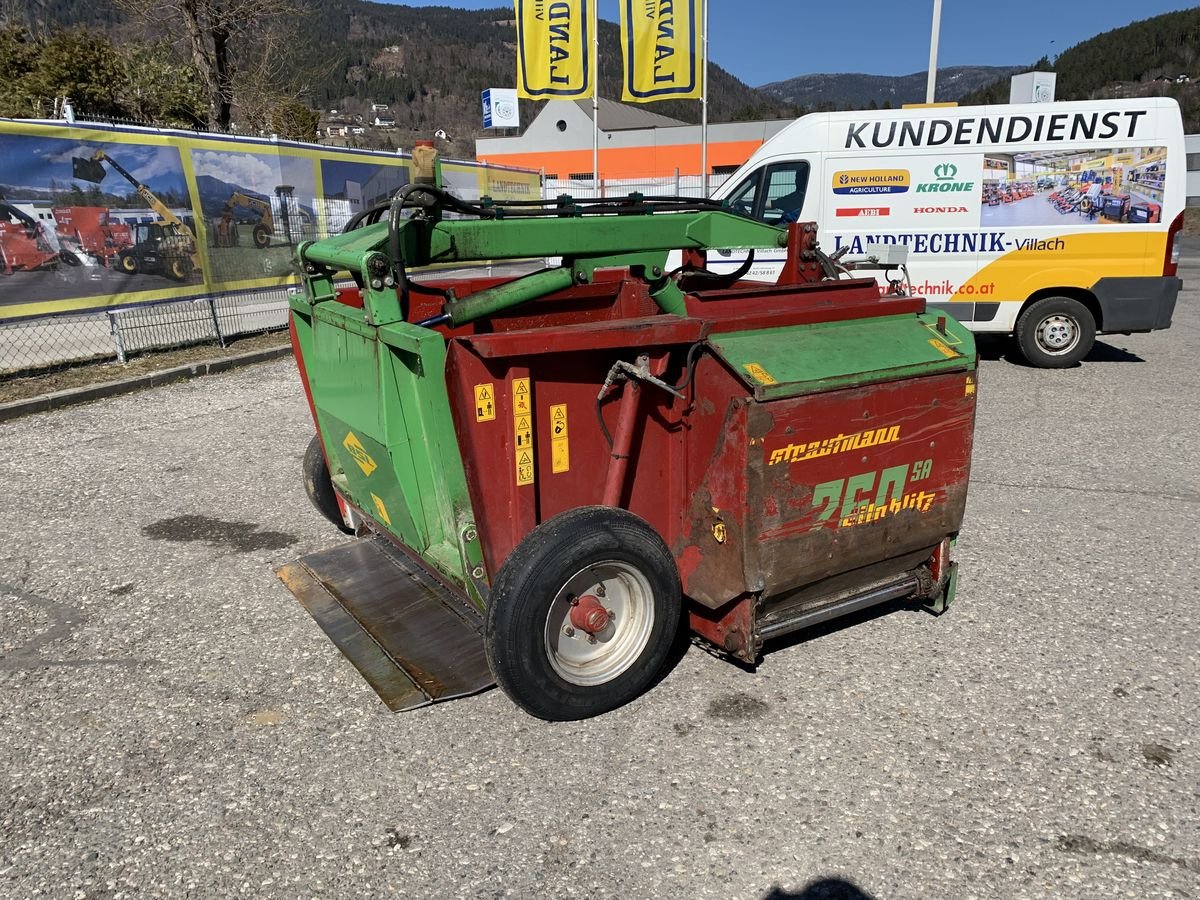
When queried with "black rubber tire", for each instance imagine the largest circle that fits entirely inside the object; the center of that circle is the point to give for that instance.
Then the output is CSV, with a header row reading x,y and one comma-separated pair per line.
x,y
69,258
319,486
1074,315
525,588
127,263
179,269
262,237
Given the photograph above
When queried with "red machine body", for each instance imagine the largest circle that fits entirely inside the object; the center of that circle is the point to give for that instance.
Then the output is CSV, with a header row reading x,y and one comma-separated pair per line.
x,y
23,243
90,230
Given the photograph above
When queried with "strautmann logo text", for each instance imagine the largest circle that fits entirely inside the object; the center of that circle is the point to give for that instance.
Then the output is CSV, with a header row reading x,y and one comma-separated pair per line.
x,y
947,181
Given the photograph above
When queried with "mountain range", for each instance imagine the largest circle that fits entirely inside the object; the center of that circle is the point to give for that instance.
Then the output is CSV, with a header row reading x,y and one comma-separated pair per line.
x,y
861,91
430,63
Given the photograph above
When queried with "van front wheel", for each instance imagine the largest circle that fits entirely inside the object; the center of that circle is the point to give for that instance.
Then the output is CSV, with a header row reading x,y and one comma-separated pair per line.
x,y
1055,332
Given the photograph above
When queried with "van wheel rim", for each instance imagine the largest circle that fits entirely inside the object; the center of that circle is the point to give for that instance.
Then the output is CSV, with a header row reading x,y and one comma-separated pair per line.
x,y
1058,334
590,659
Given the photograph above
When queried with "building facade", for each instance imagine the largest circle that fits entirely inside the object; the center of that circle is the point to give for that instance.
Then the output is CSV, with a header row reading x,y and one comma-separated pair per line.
x,y
633,143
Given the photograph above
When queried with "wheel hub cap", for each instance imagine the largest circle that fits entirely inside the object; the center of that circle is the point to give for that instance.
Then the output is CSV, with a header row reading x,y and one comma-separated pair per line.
x,y
589,615
599,623
1057,334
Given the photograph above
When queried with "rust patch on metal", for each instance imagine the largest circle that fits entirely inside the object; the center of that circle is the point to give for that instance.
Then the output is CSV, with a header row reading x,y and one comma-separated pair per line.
x,y
731,627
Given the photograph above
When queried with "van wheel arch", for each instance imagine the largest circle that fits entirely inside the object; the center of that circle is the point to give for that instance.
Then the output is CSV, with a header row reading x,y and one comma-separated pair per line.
x,y
1087,298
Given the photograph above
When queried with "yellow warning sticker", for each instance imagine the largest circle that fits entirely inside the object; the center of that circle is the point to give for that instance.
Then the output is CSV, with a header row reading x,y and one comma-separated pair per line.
x,y
524,467
520,391
522,431
382,510
943,349
759,374
485,402
969,389
355,448
560,448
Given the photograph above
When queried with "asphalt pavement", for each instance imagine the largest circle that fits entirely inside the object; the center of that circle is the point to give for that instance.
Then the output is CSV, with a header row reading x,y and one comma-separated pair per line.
x,y
172,723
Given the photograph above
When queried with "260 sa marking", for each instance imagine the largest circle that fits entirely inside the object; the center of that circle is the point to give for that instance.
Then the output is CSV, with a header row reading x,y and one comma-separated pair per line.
x,y
851,498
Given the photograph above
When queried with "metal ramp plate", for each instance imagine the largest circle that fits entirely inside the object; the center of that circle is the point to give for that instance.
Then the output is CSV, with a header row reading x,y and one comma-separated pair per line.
x,y
409,636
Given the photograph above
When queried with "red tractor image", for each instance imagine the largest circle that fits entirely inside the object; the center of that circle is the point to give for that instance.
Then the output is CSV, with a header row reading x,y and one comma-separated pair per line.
x,y
91,230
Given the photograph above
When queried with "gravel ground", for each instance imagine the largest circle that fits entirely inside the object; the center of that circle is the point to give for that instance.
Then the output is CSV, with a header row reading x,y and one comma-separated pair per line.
x,y
172,723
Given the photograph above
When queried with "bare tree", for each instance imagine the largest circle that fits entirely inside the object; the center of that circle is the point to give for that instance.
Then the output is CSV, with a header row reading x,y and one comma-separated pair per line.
x,y
231,44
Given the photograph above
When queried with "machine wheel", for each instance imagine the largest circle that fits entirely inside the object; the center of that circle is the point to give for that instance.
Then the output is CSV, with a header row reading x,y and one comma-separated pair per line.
x,y
1055,332
319,486
127,263
582,614
179,269
70,258
262,237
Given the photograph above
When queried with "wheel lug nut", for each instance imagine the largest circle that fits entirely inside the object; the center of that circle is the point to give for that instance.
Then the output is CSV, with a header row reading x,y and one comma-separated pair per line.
x,y
569,631
591,639
600,592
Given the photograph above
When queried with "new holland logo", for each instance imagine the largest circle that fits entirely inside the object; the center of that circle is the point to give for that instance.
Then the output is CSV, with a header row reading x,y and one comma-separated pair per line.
x,y
946,175
871,181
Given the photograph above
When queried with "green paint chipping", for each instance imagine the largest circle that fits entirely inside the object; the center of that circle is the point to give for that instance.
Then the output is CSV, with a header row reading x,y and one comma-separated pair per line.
x,y
806,359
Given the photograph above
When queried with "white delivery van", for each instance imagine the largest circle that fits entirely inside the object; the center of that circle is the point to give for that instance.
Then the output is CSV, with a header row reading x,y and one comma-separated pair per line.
x,y
1049,221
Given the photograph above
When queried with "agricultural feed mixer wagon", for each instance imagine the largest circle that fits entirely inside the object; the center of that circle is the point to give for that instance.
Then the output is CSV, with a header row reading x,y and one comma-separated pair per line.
x,y
547,473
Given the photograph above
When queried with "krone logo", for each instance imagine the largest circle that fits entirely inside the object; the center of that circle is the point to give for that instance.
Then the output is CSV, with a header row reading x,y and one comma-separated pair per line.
x,y
945,172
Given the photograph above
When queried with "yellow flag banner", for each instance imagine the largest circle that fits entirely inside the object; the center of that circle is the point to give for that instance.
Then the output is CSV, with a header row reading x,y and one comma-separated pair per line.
x,y
553,49
660,46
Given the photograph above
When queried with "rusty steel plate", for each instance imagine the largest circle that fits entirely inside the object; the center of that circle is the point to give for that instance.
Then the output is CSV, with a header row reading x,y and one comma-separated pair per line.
x,y
409,636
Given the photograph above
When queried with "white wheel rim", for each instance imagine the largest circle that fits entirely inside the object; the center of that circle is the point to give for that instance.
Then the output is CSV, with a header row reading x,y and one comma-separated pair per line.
x,y
1058,334
589,660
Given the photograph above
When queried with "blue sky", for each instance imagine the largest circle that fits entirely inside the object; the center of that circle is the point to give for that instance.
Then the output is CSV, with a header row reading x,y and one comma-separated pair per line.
x,y
769,40
32,162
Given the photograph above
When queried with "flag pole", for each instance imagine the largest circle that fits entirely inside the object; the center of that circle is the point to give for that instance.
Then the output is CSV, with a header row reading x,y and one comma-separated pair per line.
x,y
931,79
594,50
704,103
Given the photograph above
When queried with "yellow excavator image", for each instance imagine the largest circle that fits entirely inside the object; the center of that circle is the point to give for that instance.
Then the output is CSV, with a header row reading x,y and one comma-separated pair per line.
x,y
166,247
225,228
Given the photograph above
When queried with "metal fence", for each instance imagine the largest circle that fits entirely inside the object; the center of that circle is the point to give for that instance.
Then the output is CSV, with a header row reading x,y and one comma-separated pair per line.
x,y
676,185
120,332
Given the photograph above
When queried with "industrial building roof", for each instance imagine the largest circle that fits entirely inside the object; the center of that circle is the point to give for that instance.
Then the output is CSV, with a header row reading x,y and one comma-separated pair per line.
x,y
616,116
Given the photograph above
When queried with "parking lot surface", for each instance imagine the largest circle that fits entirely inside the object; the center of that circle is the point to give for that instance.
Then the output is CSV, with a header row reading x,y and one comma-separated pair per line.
x,y
172,723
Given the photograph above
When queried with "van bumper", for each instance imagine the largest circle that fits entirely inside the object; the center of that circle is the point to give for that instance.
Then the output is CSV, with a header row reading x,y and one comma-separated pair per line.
x,y
1136,304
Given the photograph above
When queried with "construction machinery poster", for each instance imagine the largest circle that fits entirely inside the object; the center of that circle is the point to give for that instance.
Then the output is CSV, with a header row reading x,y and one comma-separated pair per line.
x,y
94,217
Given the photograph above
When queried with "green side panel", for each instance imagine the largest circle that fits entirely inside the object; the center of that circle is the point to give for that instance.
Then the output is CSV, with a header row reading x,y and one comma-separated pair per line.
x,y
807,359
384,415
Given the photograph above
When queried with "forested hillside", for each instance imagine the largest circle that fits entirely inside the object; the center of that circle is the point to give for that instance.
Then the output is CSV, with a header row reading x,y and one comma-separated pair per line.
x,y
860,91
429,64
1126,62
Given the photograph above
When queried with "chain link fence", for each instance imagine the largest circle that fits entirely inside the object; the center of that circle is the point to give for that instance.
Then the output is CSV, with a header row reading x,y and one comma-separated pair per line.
x,y
119,332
